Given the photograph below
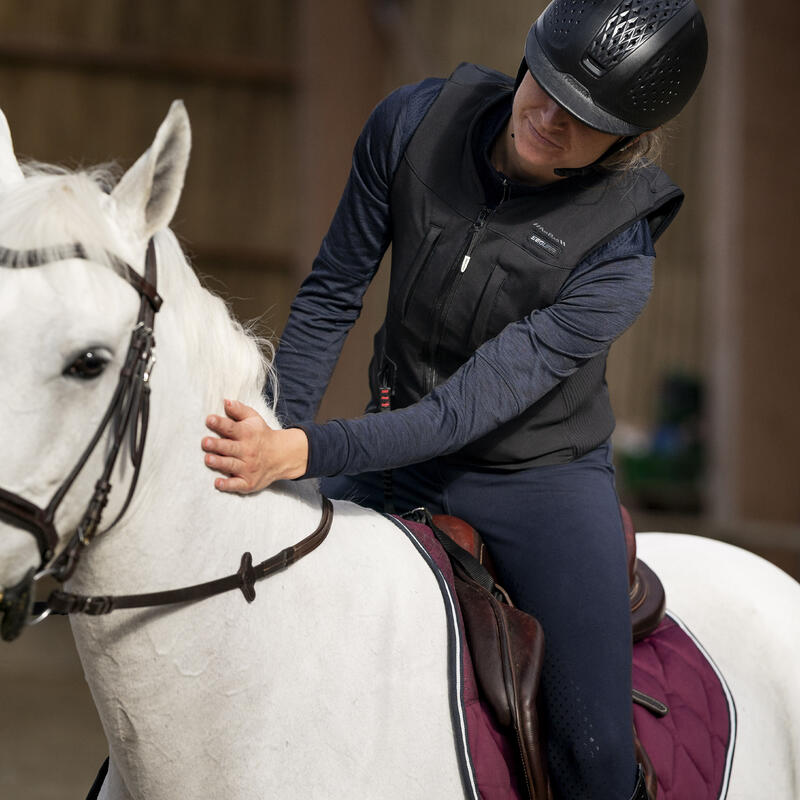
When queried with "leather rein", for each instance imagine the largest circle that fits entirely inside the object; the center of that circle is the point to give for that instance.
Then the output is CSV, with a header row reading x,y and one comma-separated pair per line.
x,y
127,415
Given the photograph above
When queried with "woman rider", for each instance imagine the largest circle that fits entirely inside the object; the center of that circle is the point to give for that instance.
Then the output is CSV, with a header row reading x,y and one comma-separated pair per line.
x,y
522,217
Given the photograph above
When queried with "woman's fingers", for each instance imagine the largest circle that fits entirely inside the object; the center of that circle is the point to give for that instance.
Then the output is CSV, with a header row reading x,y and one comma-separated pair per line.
x,y
239,411
230,466
249,453
223,447
231,484
221,425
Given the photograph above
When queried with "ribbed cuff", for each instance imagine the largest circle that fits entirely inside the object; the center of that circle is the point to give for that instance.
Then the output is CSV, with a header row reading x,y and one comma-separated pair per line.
x,y
327,448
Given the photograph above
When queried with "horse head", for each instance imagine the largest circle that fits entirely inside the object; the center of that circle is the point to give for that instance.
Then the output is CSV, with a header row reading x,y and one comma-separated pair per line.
x,y
69,328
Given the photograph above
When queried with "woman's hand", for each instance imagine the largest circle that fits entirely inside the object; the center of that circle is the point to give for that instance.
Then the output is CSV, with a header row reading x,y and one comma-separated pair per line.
x,y
250,453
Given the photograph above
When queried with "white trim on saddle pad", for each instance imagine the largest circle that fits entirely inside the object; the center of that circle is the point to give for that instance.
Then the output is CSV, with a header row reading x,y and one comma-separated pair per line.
x,y
455,672
726,777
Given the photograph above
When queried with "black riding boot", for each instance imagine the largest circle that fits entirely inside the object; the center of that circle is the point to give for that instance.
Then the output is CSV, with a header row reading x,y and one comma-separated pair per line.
x,y
640,792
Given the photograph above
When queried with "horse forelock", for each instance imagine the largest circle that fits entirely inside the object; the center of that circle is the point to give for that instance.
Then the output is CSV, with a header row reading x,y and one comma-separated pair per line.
x,y
54,207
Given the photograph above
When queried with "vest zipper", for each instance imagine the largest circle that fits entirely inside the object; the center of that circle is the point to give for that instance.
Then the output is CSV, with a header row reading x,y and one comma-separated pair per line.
x,y
442,306
443,303
477,226
477,230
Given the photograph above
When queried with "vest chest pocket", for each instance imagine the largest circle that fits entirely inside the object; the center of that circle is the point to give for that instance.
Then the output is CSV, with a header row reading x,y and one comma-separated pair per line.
x,y
482,327
417,267
510,293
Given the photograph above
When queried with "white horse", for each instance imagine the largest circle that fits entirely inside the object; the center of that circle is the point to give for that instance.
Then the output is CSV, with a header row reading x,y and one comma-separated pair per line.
x,y
331,684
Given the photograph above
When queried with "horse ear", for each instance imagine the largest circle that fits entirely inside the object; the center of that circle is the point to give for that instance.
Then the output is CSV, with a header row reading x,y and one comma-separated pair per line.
x,y
149,191
10,173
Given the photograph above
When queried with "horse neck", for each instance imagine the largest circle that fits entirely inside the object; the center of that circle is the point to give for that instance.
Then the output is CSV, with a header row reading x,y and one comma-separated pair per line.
x,y
178,532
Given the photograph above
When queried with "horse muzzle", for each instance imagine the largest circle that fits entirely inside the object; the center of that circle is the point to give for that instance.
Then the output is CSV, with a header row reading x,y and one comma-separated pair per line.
x,y
16,605
16,602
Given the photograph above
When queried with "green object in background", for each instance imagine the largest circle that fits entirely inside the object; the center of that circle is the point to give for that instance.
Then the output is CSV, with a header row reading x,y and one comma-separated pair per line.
x,y
669,475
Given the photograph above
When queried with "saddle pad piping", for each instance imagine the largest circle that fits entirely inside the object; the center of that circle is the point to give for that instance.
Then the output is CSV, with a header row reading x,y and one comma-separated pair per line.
x,y
455,647
726,776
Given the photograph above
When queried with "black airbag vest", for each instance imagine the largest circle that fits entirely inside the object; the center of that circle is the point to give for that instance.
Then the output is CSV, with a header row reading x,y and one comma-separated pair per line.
x,y
521,252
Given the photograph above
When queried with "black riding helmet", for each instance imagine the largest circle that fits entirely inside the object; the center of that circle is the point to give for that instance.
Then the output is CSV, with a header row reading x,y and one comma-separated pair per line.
x,y
620,66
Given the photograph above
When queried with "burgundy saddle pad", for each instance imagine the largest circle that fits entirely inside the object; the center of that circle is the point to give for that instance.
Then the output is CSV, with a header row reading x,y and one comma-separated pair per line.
x,y
692,746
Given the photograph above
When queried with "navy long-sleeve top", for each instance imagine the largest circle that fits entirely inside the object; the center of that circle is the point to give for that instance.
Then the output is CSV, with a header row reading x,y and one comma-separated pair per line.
x,y
601,298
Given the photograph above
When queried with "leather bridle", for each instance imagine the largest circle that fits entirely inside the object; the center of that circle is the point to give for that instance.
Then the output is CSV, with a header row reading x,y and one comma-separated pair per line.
x,y
126,416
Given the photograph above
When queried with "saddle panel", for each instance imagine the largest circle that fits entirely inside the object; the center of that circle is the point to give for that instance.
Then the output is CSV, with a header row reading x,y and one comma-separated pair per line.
x,y
648,600
507,648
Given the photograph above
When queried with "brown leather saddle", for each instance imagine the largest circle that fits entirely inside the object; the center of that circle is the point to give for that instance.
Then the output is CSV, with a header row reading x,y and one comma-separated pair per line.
x,y
507,645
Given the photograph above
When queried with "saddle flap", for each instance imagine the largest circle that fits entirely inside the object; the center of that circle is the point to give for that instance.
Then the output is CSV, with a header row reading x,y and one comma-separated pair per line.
x,y
507,649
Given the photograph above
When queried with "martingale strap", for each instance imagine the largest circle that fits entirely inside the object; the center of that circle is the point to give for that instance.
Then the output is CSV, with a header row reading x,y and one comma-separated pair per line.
x,y
244,579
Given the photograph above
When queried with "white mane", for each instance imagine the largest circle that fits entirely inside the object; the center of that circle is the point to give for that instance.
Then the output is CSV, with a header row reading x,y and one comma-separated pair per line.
x,y
230,360
55,207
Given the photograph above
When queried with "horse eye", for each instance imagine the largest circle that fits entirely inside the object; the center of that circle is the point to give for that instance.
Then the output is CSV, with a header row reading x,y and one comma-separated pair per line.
x,y
88,365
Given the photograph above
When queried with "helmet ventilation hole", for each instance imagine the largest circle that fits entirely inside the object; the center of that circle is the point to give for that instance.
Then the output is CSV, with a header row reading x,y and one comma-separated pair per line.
x,y
564,15
630,24
658,86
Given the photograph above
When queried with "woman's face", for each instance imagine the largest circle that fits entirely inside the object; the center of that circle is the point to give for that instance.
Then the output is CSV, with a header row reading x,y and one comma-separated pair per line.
x,y
545,137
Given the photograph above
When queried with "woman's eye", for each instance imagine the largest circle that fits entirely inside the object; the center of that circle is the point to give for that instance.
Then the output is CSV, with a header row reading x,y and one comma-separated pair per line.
x,y
88,365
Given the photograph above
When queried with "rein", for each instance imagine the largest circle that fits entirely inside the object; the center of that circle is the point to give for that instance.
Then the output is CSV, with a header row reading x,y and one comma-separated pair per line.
x,y
127,415
244,579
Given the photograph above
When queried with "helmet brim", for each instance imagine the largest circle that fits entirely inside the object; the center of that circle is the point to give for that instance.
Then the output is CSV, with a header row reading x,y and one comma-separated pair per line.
x,y
570,94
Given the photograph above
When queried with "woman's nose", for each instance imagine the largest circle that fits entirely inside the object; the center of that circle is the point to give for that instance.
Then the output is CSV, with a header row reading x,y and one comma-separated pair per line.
x,y
553,115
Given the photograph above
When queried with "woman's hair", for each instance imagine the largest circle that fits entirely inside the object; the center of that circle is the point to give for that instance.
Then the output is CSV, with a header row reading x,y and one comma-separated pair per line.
x,y
646,149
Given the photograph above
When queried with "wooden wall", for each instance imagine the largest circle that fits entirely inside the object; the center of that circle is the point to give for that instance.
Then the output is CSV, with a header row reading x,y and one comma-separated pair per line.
x,y
88,81
277,93
753,286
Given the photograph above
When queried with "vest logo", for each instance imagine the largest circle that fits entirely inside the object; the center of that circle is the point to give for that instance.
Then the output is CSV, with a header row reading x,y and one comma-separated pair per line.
x,y
548,241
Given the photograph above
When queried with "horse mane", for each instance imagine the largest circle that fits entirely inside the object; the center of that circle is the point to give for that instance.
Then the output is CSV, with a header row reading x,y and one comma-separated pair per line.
x,y
56,206
228,359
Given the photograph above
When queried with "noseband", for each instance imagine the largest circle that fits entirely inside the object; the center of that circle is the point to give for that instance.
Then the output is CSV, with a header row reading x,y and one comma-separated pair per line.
x,y
127,415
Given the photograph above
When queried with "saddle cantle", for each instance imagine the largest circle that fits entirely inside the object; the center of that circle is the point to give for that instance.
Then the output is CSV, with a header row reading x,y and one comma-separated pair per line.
x,y
648,601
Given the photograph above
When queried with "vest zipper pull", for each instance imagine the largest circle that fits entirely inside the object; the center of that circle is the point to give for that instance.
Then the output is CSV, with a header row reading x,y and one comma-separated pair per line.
x,y
477,228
